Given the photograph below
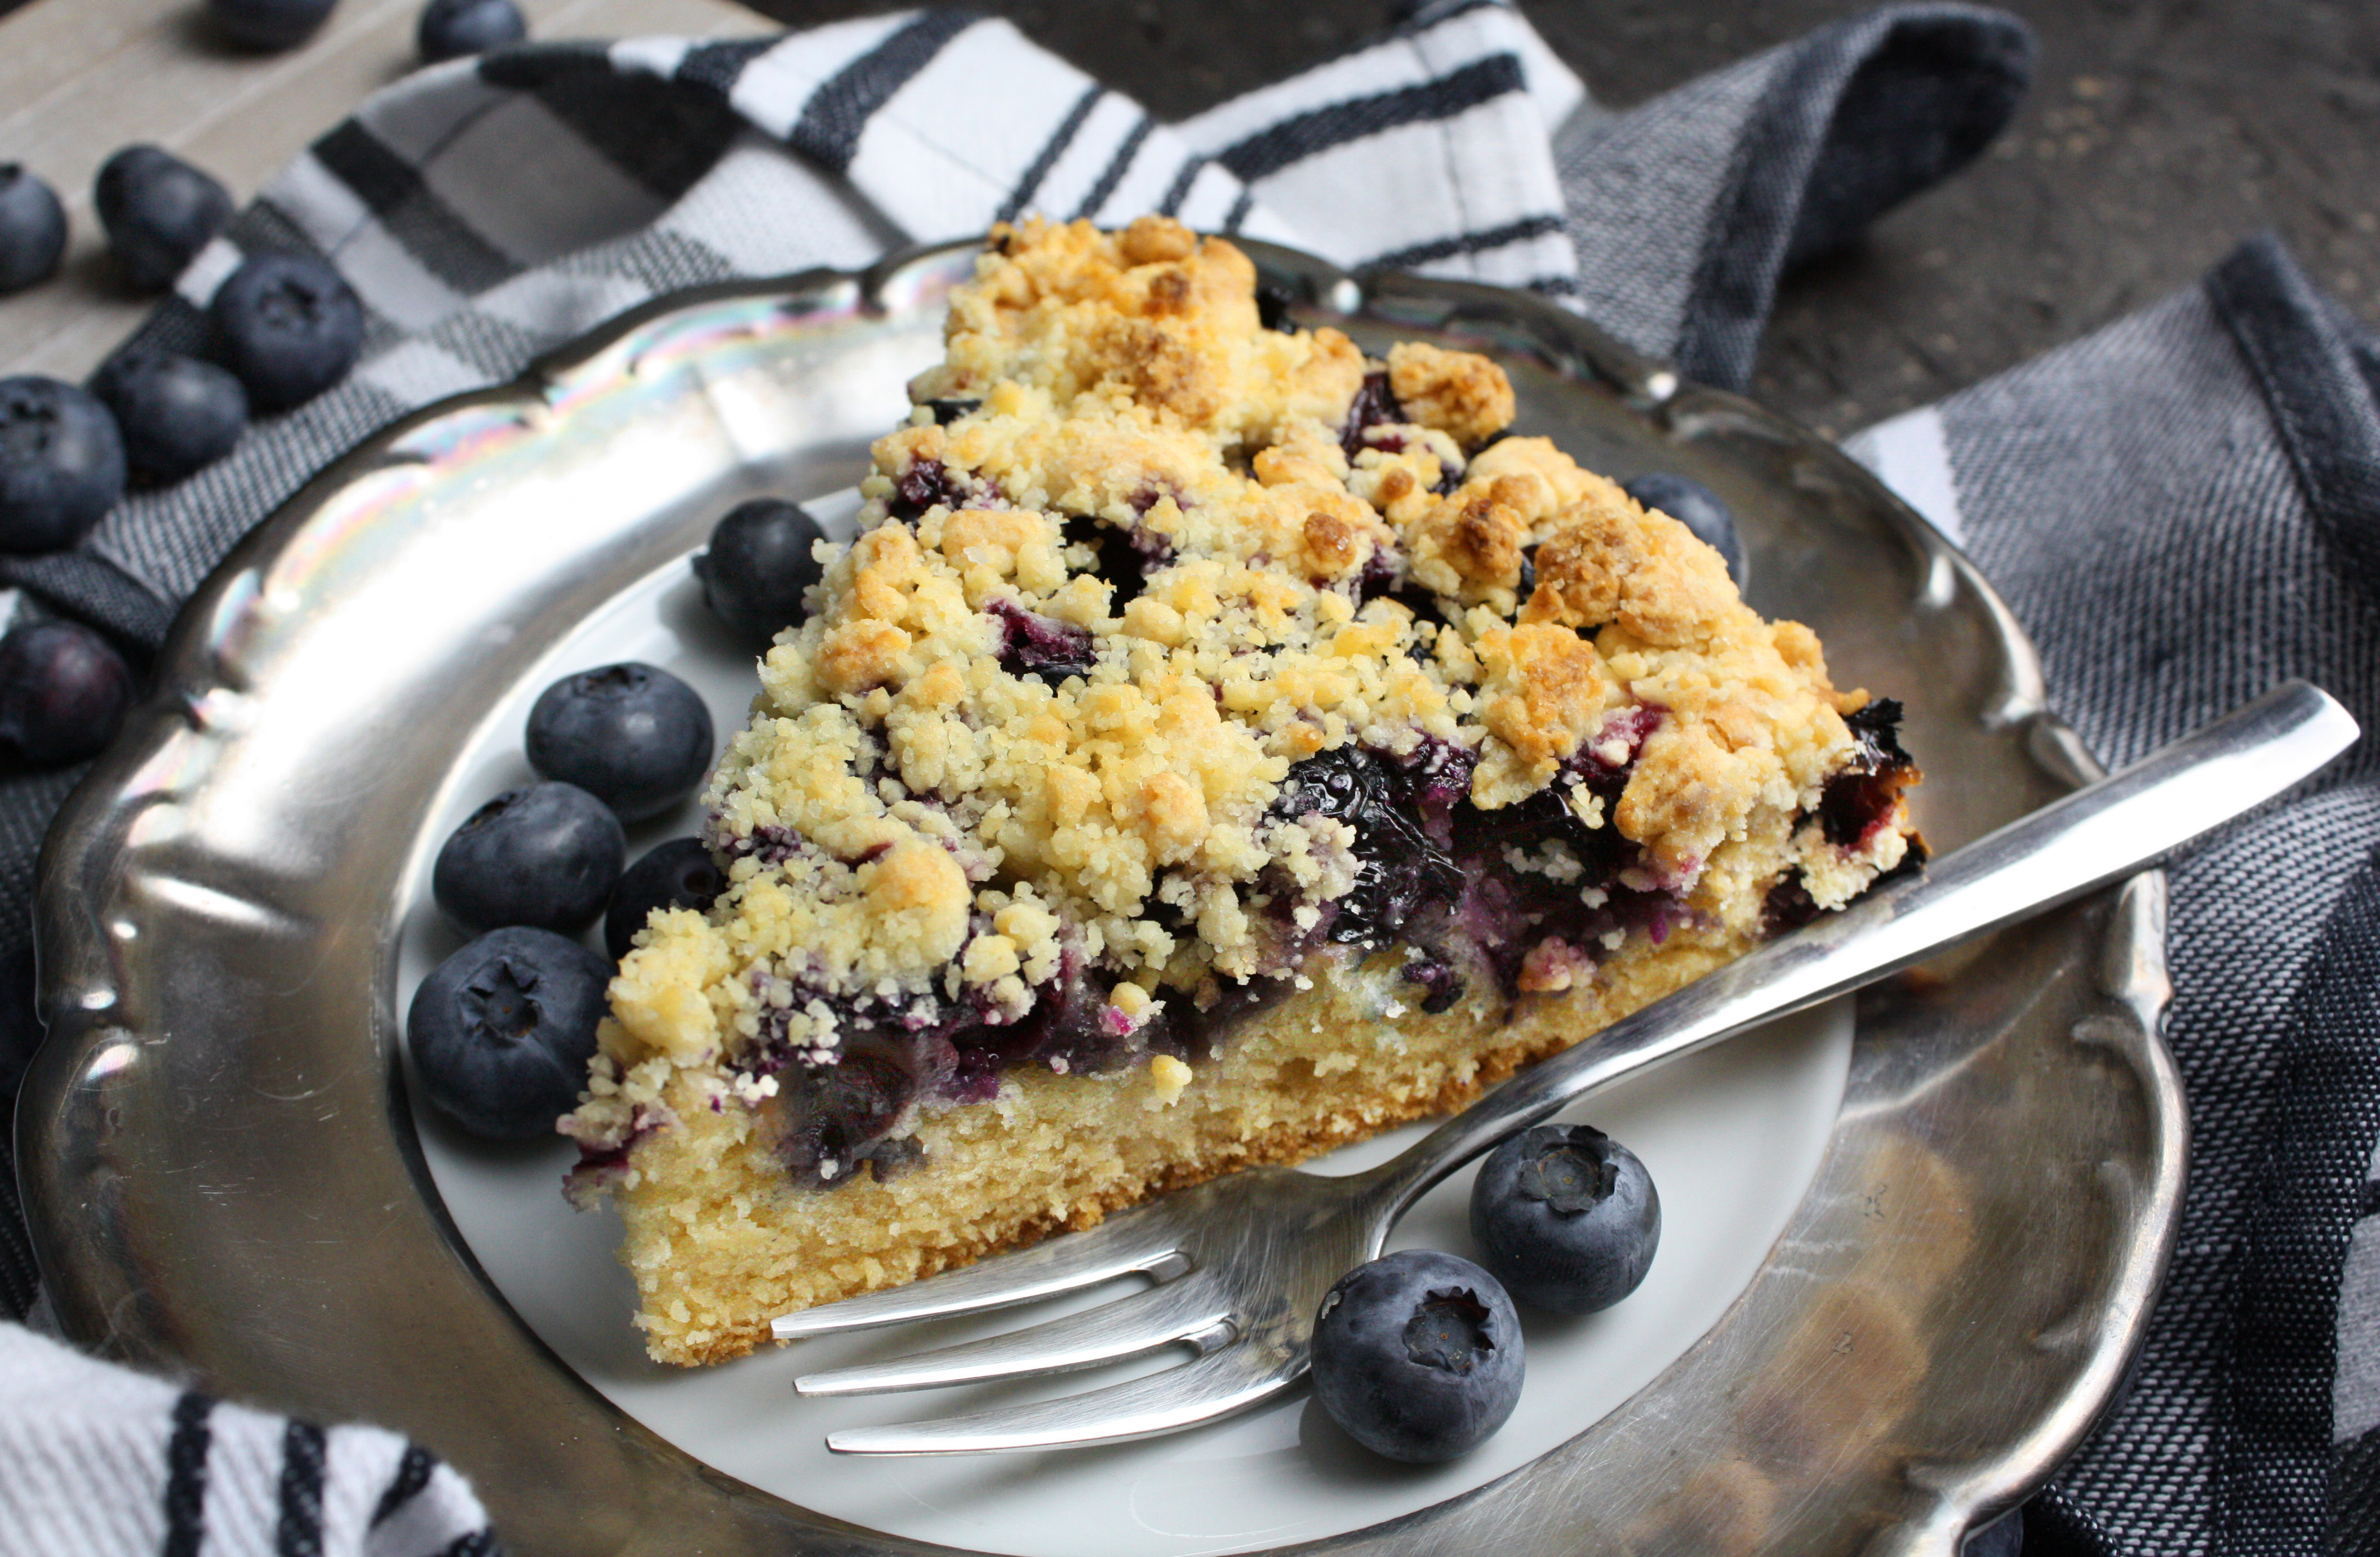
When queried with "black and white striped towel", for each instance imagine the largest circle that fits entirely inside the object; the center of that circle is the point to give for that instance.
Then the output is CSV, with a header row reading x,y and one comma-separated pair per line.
x,y
97,1461
2181,509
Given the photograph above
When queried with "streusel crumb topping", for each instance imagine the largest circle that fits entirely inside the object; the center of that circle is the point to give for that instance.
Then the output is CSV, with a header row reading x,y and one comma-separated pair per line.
x,y
1135,557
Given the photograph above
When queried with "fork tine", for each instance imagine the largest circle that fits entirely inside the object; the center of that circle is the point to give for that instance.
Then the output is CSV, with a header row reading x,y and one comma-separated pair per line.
x,y
1192,1309
1118,1247
1216,1385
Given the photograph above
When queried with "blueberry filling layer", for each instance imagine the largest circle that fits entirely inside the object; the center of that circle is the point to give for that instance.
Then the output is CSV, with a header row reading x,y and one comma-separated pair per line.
x,y
841,1107
1527,898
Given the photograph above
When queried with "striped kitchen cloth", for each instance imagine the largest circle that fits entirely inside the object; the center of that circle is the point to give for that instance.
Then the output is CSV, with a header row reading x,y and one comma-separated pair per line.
x,y
2184,508
98,1461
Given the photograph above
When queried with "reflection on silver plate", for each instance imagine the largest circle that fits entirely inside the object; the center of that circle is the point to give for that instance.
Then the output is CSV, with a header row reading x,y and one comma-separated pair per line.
x,y
224,1178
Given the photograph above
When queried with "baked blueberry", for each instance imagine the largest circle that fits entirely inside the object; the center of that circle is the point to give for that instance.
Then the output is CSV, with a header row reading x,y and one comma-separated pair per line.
x,y
1566,1217
61,463
32,228
1401,870
679,874
502,1030
63,692
1418,1355
1274,299
175,413
633,736
289,326
158,211
451,29
1034,644
543,854
269,25
758,566
1698,508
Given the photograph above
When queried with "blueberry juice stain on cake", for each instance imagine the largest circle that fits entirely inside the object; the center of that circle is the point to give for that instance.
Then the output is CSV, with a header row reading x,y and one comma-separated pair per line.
x,y
1217,745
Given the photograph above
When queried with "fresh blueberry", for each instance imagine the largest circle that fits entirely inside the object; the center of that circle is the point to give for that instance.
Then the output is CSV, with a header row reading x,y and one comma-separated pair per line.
x,y
502,1030
758,565
543,854
1698,508
63,692
176,413
61,463
679,874
159,212
1567,1217
1418,1355
289,326
633,736
32,228
451,29
269,25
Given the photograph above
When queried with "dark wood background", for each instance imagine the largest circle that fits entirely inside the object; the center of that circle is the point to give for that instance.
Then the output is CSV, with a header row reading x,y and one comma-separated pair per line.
x,y
2158,134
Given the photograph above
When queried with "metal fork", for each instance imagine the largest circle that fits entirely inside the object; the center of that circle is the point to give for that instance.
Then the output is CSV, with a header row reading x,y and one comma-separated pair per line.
x,y
1241,1262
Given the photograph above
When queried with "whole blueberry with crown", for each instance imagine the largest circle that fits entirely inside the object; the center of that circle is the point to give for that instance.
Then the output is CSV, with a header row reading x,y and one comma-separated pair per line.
x,y
759,566
632,736
1418,1355
288,327
679,874
502,1030
1567,1218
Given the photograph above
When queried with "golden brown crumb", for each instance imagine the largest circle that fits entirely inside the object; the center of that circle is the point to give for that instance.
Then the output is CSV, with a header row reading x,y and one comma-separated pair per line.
x,y
1461,393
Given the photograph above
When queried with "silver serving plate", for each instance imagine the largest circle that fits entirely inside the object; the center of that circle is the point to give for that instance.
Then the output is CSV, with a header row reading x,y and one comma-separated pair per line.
x,y
223,1174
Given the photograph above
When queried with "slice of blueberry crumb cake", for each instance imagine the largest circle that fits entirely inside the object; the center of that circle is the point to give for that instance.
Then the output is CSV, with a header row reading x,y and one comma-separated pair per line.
x,y
1217,746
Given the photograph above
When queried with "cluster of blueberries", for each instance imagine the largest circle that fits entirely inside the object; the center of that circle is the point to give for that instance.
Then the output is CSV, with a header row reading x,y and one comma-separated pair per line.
x,y
283,328
1418,1355
502,1030
286,327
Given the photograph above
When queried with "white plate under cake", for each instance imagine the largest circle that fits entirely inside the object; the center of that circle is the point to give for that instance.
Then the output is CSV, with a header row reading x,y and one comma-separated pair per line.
x,y
1217,747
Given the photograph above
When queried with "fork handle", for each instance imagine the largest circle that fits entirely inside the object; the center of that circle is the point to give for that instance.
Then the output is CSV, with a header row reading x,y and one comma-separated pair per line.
x,y
2120,824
